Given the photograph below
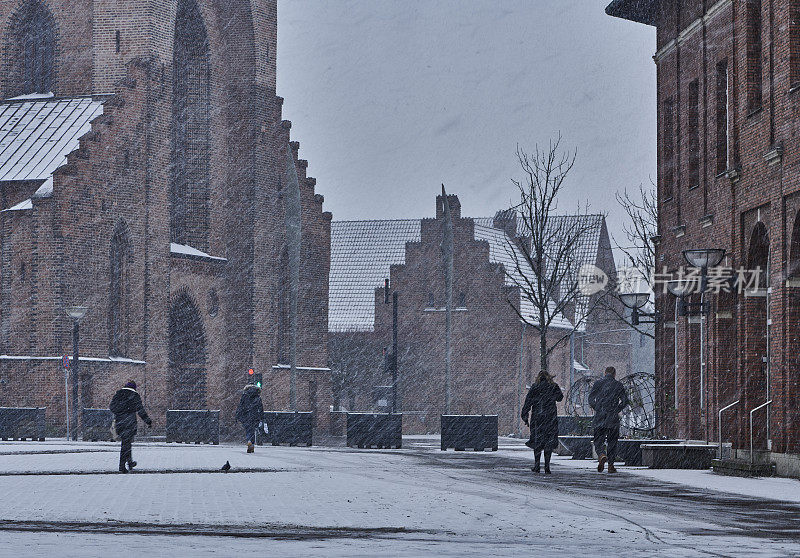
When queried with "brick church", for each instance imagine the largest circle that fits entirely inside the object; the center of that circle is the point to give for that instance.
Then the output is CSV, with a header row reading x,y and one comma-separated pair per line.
x,y
142,176
494,355
729,178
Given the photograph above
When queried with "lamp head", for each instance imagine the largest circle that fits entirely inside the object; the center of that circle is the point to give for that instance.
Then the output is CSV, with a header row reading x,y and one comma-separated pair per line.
x,y
76,312
678,287
634,300
704,257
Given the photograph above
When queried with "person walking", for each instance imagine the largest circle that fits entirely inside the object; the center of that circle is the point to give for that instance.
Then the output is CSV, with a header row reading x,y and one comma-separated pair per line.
x,y
250,413
540,414
125,405
607,398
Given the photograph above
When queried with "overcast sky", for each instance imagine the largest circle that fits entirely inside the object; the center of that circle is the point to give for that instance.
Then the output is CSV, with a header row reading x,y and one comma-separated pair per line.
x,y
390,98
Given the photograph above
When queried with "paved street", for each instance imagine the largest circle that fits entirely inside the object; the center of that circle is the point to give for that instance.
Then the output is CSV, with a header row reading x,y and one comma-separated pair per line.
x,y
62,499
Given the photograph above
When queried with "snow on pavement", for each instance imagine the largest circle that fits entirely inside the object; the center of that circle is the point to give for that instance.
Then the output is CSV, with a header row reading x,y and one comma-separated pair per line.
x,y
335,502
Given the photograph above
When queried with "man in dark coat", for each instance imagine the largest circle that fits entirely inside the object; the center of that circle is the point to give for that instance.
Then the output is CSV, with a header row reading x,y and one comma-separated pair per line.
x,y
607,398
540,406
125,405
250,413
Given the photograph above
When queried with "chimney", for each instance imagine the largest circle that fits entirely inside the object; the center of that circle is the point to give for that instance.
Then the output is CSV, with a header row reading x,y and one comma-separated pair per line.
x,y
506,220
455,207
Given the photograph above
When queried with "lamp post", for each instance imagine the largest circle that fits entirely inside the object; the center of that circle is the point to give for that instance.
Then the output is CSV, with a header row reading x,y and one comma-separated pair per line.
x,y
703,258
393,356
679,289
76,313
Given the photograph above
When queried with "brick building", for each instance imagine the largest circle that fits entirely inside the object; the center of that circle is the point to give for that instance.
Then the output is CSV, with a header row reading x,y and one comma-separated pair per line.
x,y
729,177
494,355
142,164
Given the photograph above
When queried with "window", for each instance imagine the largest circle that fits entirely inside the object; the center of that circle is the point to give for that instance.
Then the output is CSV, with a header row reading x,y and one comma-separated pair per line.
x,y
31,50
694,133
191,120
118,304
462,300
431,301
722,116
794,43
117,41
668,149
754,70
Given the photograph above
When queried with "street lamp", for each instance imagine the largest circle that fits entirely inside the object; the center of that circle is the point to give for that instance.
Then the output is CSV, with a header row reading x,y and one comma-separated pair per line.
x,y
76,313
636,301
702,258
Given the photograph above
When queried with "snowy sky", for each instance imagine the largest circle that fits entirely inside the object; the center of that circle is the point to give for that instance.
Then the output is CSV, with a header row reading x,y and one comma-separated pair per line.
x,y
391,98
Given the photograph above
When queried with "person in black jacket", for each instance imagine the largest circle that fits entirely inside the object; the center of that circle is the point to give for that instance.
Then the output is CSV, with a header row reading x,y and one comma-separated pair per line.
x,y
250,413
607,398
125,405
539,412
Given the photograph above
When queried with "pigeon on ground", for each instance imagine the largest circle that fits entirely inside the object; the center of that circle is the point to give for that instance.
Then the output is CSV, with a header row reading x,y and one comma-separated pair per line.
x,y
226,467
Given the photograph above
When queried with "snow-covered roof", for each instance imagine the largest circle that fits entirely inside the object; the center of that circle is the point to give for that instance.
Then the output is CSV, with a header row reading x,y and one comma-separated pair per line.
x,y
362,253
586,252
504,252
38,132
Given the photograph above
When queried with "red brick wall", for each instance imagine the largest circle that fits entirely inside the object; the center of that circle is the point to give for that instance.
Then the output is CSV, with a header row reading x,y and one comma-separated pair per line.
x,y
121,173
762,192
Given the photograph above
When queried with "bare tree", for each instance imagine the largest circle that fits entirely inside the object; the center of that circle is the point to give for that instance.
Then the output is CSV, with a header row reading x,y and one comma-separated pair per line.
x,y
640,227
546,255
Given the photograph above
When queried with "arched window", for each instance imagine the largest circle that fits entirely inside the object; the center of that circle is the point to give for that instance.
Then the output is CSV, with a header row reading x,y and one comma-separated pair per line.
x,y
758,255
118,299
189,219
30,50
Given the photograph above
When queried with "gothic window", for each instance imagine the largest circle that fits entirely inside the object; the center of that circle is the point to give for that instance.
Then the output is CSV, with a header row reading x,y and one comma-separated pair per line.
x,y
118,303
31,49
189,219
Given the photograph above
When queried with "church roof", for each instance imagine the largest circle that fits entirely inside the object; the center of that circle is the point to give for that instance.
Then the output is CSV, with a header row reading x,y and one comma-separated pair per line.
x,y
362,253
37,132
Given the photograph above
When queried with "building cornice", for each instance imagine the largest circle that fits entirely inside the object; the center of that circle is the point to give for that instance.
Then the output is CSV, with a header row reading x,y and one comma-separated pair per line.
x,y
691,29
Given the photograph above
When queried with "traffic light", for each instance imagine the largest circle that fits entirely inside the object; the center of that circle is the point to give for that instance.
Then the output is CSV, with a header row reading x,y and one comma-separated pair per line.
x,y
255,379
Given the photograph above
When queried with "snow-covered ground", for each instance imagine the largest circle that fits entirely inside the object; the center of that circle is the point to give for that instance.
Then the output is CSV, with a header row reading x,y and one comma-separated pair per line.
x,y
417,501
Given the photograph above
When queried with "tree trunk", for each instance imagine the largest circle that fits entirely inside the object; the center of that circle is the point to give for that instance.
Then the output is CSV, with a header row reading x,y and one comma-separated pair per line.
x,y
543,350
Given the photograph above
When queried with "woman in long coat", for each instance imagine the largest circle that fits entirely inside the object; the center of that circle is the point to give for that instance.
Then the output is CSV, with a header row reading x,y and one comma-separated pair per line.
x,y
539,412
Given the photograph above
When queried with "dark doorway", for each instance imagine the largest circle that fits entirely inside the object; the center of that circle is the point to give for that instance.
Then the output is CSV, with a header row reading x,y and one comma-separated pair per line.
x,y
187,355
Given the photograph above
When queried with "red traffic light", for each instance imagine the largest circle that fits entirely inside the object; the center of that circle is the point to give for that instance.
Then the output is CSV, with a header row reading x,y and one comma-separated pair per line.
x,y
250,372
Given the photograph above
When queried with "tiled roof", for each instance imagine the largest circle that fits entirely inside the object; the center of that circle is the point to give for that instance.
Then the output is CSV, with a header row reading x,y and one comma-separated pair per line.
x,y
37,133
500,251
361,253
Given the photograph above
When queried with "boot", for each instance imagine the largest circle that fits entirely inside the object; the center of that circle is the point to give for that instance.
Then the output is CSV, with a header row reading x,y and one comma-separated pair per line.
x,y
250,448
611,468
547,455
602,463
122,469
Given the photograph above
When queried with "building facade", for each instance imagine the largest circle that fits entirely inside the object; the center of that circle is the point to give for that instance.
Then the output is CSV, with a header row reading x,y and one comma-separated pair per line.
x,y
142,175
495,355
729,177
